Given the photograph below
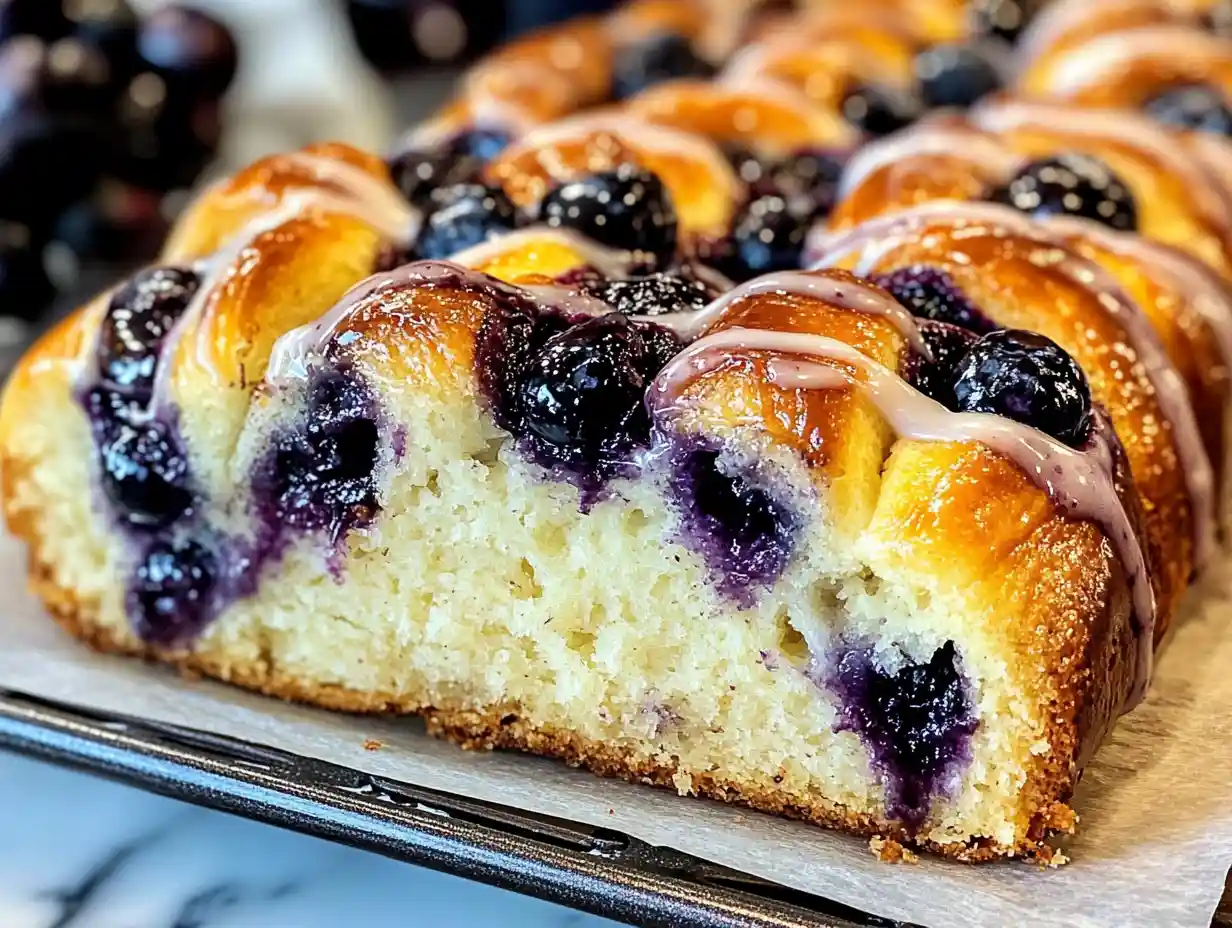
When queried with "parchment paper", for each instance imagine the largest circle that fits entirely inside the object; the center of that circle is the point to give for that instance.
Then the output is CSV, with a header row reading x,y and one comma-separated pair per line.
x,y
1153,848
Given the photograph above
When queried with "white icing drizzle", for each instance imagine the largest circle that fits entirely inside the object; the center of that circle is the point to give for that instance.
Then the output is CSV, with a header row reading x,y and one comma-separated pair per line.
x,y
611,262
1080,483
1205,193
984,152
639,133
1061,17
366,199
852,295
294,351
876,238
1088,63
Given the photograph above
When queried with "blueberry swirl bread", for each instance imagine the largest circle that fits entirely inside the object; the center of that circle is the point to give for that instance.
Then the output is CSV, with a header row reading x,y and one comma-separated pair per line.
x,y
887,552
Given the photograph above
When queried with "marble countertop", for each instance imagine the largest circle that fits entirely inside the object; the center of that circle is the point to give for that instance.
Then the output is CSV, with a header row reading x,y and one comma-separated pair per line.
x,y
81,852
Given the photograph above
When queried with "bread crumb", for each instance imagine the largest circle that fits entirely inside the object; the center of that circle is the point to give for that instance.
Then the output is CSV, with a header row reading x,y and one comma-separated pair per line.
x,y
683,783
371,744
889,851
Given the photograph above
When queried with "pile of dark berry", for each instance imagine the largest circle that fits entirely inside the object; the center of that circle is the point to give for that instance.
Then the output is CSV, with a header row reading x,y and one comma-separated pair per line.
x,y
104,116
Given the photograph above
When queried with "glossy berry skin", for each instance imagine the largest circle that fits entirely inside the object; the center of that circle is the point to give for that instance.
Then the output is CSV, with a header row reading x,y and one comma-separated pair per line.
x,y
1193,106
877,111
1072,185
419,172
930,293
189,50
955,75
145,474
25,289
169,597
1004,19
752,169
462,216
769,236
934,376
627,208
810,175
482,144
138,318
583,391
1028,378
654,60
654,295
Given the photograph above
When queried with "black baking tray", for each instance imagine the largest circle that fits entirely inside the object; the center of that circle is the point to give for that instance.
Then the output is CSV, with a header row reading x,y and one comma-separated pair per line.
x,y
596,870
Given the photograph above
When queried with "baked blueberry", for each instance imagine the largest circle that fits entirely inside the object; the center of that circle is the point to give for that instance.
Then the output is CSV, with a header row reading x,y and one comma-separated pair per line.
x,y
1028,378
1192,106
934,376
1071,185
169,599
322,474
930,293
1003,18
482,144
956,75
25,289
190,50
626,208
879,111
749,166
108,411
656,59
810,175
769,236
145,475
462,216
916,721
654,295
139,316
583,390
743,533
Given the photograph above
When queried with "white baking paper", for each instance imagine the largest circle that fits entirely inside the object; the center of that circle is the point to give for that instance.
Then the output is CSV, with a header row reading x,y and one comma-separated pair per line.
x,y
1153,849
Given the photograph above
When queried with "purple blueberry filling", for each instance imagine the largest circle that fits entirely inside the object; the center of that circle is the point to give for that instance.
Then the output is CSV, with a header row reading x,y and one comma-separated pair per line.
x,y
320,476
139,316
732,520
916,723
930,293
571,389
171,597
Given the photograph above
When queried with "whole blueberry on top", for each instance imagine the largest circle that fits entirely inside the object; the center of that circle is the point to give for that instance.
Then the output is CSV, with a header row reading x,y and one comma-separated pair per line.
x,y
807,178
626,208
769,236
654,295
189,49
580,396
930,293
417,172
879,111
1028,378
656,59
1071,185
463,216
1003,18
956,75
482,144
1192,106
934,375
749,166
139,316
168,599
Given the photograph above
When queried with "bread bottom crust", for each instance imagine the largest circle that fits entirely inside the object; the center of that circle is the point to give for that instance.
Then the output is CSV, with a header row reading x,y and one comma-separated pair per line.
x,y
502,727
